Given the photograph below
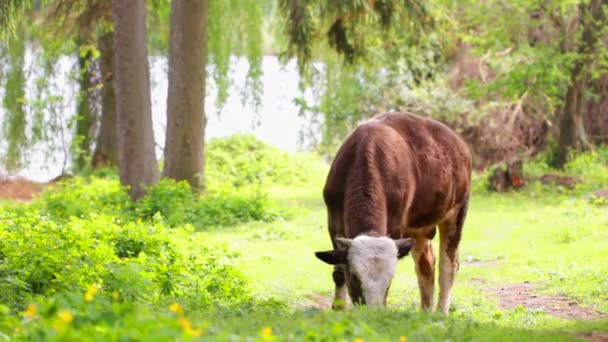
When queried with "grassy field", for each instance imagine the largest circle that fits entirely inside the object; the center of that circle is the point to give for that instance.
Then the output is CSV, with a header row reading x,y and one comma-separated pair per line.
x,y
554,242
83,262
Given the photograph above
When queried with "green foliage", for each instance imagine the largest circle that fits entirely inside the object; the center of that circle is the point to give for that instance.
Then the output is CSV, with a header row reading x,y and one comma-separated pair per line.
x,y
139,279
136,261
243,161
14,123
170,202
227,207
174,201
234,29
351,28
383,66
435,99
82,197
10,10
588,169
237,168
591,167
531,45
67,317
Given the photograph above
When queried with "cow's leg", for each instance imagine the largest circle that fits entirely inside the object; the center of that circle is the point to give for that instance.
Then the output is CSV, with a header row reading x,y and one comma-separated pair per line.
x,y
335,224
450,232
340,294
424,260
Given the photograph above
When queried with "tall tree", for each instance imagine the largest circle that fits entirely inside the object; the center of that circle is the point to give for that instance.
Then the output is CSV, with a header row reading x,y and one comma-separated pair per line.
x,y
106,148
201,32
550,49
184,144
572,134
137,159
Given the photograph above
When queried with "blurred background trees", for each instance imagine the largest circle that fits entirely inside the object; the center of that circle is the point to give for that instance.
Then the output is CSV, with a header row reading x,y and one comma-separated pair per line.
x,y
514,78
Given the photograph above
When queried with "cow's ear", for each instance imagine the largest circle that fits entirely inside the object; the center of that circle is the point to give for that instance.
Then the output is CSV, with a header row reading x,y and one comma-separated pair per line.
x,y
332,257
343,243
403,247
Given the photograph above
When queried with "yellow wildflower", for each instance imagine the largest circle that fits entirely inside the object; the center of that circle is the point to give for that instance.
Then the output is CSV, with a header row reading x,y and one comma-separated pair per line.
x,y
176,308
266,333
194,332
115,295
188,329
185,323
91,291
30,311
358,339
65,316
402,339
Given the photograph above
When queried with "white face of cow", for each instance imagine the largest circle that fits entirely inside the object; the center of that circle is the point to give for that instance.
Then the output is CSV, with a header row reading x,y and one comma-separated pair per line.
x,y
370,265
373,262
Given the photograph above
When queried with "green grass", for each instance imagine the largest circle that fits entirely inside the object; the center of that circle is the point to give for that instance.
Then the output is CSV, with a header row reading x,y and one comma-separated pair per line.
x,y
250,277
555,240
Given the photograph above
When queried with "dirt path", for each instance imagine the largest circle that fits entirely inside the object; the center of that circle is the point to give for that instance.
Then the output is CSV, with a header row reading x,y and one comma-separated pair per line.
x,y
525,294
19,189
509,297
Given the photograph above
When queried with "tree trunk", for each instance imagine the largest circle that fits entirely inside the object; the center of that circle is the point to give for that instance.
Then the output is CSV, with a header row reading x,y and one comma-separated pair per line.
x,y
571,125
136,156
571,129
184,146
85,117
106,149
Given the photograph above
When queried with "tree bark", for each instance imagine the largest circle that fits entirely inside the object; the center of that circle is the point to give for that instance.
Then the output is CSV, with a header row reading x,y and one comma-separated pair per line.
x,y
571,125
106,149
184,144
84,115
136,156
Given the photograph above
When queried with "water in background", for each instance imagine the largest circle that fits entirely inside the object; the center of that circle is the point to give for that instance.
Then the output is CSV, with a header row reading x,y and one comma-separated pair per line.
x,y
279,124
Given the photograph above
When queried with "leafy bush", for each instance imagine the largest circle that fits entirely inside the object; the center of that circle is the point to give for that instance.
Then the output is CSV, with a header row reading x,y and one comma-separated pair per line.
x,y
81,197
243,160
138,261
590,168
173,200
237,169
227,206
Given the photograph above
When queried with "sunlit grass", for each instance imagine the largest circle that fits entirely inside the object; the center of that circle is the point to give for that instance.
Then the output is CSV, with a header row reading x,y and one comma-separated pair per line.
x,y
550,237
554,240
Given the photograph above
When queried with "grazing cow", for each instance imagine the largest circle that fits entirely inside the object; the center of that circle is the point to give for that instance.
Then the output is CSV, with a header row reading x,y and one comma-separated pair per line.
x,y
395,179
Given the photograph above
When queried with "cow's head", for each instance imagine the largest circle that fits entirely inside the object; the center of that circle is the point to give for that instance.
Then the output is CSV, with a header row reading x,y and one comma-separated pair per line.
x,y
370,264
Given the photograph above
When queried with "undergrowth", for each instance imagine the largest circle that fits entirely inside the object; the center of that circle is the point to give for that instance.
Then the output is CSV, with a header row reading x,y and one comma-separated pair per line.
x,y
83,262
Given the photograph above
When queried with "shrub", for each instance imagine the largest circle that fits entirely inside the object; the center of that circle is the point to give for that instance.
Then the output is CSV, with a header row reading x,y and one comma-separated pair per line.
x,y
228,206
138,261
81,197
589,167
67,317
243,160
173,200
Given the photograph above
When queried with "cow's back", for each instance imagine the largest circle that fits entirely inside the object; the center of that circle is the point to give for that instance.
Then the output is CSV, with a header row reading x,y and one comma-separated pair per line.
x,y
393,171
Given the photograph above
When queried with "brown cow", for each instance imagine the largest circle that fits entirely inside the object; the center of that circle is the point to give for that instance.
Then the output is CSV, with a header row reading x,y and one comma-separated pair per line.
x,y
395,178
